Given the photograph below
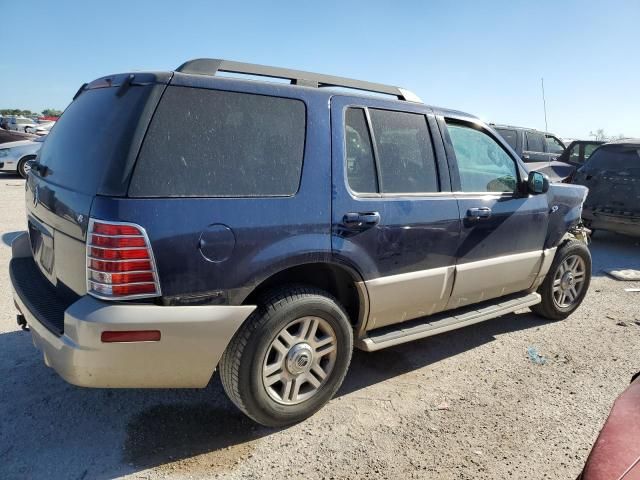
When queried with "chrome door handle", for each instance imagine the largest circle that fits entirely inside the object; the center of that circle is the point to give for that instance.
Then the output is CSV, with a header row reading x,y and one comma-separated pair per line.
x,y
479,213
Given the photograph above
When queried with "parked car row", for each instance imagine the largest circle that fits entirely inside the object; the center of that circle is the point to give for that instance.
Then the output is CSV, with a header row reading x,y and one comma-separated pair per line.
x,y
611,171
26,125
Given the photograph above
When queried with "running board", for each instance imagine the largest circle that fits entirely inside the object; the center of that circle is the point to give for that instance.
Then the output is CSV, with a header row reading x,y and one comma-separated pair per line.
x,y
443,322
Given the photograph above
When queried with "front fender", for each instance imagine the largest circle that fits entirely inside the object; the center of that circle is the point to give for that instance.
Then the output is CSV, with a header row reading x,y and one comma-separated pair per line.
x,y
565,211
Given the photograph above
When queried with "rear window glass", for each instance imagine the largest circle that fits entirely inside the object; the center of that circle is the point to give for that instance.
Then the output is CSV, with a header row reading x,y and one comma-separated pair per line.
x,y
615,158
92,138
510,136
212,143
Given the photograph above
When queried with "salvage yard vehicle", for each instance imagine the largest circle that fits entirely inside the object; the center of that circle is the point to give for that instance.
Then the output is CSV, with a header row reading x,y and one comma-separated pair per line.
x,y
265,229
612,175
17,151
579,151
616,451
539,150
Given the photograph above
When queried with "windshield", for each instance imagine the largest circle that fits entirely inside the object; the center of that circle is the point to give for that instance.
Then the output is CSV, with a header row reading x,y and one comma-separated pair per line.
x,y
22,121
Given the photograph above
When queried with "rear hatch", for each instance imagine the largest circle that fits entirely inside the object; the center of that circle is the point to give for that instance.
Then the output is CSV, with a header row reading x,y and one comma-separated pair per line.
x,y
612,175
90,151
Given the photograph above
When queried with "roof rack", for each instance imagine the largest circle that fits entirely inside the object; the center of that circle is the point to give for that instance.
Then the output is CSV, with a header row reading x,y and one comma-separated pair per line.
x,y
211,66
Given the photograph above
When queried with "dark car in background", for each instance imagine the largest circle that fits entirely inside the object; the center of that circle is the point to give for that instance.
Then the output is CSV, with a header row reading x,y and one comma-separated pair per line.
x,y
539,150
579,151
612,175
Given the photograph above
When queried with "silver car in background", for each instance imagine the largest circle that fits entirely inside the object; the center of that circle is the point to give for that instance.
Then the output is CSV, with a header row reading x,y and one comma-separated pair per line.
x,y
17,151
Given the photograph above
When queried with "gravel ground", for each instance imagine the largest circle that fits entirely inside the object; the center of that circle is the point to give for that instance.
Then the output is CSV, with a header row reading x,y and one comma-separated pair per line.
x,y
461,405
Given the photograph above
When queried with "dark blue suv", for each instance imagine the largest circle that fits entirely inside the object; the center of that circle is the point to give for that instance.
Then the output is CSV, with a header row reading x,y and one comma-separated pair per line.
x,y
184,221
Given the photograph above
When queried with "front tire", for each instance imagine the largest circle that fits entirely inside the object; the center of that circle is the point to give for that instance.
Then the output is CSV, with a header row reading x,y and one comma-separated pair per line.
x,y
567,282
289,358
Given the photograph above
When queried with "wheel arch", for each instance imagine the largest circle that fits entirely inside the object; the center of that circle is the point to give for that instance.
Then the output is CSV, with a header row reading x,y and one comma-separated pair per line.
x,y
339,279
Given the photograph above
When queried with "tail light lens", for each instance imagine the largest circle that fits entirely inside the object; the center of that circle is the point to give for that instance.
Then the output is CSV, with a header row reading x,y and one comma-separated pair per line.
x,y
120,263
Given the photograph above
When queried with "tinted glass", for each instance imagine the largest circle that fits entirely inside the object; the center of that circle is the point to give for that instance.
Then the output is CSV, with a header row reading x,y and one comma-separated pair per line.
x,y
553,145
212,143
574,153
510,136
483,165
361,169
93,136
535,142
588,150
405,152
615,158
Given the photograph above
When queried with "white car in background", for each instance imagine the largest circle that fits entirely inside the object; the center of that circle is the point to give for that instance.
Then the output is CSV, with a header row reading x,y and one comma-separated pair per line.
x,y
19,124
40,128
17,155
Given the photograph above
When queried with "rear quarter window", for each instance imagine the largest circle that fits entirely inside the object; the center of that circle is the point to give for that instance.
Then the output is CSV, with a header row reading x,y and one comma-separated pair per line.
x,y
210,143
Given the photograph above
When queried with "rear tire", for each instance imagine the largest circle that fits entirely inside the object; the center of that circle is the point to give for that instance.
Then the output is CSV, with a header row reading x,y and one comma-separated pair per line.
x,y
567,282
289,358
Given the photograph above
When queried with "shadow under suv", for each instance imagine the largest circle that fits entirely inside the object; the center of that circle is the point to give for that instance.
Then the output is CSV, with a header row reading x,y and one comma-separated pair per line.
x,y
180,222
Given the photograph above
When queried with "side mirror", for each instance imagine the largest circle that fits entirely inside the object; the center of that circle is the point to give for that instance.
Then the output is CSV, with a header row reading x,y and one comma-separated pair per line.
x,y
538,182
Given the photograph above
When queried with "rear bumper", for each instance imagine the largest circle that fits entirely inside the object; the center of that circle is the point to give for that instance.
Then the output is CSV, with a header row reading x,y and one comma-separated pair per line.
x,y
193,339
624,224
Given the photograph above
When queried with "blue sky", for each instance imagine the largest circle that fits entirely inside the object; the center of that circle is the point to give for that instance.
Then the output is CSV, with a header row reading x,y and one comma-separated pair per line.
x,y
485,58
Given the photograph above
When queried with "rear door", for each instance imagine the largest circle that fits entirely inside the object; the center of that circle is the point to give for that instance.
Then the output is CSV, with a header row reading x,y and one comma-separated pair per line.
x,y
503,231
394,217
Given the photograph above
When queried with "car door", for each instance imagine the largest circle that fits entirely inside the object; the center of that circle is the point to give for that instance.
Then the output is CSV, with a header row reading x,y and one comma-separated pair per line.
x,y
502,230
394,218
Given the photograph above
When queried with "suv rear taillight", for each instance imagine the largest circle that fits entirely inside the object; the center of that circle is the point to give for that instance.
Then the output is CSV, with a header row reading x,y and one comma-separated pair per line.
x,y
120,263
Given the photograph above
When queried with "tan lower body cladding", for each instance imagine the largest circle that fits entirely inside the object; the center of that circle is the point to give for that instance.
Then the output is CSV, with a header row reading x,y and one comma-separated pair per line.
x,y
397,298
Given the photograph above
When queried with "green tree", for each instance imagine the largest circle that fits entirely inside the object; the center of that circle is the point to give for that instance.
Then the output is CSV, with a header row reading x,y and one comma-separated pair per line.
x,y
51,112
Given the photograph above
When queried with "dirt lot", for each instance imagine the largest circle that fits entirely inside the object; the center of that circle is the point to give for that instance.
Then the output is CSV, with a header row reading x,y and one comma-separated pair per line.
x,y
466,404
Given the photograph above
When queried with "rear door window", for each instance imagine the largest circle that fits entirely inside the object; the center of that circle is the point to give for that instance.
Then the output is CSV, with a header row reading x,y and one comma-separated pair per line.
x,y
405,153
211,143
535,142
510,136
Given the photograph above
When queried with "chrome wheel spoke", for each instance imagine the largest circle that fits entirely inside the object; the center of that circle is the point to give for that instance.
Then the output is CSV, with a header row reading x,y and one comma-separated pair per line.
x,y
318,372
280,346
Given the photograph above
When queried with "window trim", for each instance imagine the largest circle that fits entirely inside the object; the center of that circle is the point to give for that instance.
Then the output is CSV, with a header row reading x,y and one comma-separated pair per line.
x,y
451,155
374,148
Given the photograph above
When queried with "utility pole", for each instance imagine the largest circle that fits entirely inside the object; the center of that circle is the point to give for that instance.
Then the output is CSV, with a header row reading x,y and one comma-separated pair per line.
x,y
544,104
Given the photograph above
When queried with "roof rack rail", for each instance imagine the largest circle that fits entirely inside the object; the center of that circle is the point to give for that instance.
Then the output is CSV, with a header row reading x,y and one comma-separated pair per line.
x,y
211,66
